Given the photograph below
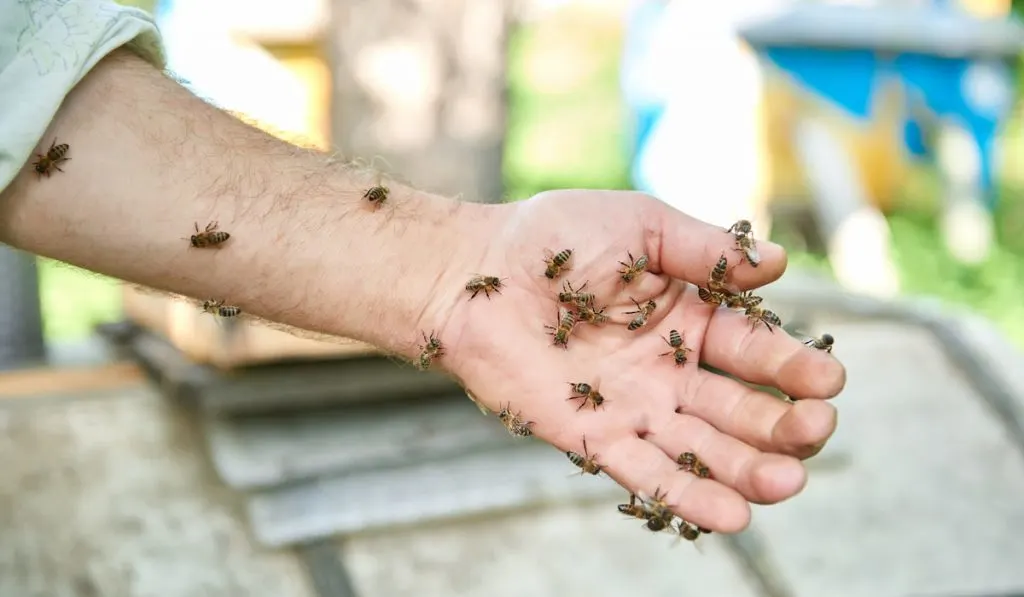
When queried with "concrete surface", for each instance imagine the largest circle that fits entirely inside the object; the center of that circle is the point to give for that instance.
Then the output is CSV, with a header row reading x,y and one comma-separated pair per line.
x,y
110,495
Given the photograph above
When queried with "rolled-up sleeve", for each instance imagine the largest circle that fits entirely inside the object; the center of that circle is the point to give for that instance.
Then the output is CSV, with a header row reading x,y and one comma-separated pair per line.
x,y
46,47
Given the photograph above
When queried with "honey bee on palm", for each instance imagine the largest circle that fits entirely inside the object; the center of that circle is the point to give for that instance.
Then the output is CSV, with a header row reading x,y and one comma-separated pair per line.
x,y
689,462
634,268
641,511
825,342
659,517
586,393
756,314
209,237
711,297
643,313
218,308
556,263
716,278
743,300
575,296
586,463
590,314
430,349
679,349
743,233
514,423
485,284
566,323
50,161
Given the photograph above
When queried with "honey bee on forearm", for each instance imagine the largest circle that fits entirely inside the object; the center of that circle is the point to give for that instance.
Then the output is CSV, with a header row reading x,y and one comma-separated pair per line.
x,y
586,393
575,296
566,323
377,195
485,284
209,237
643,313
756,315
825,342
556,263
430,349
689,462
587,463
743,232
634,268
589,314
49,161
514,422
217,307
679,349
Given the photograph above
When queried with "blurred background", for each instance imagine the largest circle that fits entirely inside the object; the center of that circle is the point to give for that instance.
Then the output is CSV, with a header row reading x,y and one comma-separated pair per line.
x,y
581,113
167,454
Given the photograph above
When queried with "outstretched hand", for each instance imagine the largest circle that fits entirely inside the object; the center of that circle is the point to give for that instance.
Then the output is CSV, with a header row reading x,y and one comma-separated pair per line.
x,y
653,410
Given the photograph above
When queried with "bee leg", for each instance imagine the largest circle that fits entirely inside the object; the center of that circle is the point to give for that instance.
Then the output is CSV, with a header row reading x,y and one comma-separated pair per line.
x,y
473,296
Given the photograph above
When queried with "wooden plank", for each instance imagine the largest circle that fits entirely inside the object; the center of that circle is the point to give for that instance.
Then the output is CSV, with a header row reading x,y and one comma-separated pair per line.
x,y
481,482
47,380
258,452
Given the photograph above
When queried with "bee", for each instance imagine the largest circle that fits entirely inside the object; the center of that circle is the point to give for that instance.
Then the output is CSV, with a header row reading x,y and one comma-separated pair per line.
x,y
586,462
430,349
587,393
377,195
657,511
716,279
825,342
514,422
711,297
756,314
209,237
219,308
54,156
634,268
575,296
641,511
566,323
689,462
743,300
742,231
555,263
679,350
589,314
688,531
485,284
643,312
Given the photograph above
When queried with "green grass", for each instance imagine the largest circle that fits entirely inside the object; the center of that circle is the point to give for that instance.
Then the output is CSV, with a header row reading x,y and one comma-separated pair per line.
x,y
576,137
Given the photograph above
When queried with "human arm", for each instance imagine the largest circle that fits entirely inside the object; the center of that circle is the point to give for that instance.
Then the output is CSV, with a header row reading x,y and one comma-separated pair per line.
x,y
149,159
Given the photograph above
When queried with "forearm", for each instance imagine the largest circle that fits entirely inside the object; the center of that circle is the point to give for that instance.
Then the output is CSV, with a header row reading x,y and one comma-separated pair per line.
x,y
149,160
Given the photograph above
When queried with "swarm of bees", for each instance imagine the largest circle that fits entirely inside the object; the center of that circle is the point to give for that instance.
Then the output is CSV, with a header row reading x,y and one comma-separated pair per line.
x,y
658,517
51,160
717,292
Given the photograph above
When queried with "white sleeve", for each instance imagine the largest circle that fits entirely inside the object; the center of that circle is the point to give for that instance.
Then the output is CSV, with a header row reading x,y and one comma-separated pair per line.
x,y
46,48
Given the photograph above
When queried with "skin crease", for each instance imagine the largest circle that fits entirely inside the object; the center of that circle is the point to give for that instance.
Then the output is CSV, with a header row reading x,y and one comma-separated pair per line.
x,y
308,252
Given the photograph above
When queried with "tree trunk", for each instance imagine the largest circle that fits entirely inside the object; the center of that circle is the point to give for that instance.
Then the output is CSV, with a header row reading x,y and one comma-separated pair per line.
x,y
421,83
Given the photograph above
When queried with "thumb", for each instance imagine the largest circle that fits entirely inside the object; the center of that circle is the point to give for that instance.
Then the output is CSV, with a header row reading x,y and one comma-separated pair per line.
x,y
687,249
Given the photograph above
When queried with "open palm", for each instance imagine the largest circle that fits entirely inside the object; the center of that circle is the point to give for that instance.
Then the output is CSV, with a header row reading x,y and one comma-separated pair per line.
x,y
653,409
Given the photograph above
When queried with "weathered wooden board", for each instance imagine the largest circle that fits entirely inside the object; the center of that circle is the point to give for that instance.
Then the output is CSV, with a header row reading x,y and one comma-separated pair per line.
x,y
479,482
108,494
282,387
259,452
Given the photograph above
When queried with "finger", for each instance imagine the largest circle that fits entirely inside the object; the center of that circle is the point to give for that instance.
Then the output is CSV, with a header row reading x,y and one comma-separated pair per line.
x,y
643,467
687,249
760,478
756,418
770,358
